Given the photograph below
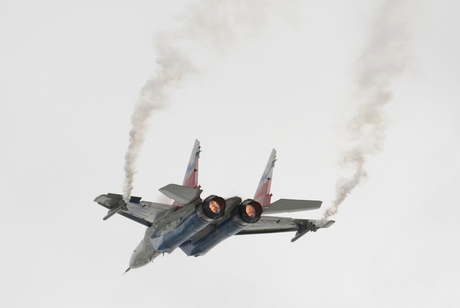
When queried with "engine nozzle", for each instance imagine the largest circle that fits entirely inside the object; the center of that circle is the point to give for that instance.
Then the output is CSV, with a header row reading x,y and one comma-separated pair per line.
x,y
211,208
248,212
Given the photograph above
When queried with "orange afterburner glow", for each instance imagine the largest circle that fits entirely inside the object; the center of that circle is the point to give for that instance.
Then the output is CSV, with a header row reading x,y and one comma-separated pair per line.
x,y
248,212
251,211
214,206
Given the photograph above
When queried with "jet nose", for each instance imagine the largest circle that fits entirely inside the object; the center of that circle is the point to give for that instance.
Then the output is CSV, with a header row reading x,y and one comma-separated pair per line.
x,y
140,256
137,260
133,264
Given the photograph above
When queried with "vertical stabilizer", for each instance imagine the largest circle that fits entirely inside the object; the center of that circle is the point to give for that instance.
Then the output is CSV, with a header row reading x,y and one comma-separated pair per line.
x,y
263,195
191,174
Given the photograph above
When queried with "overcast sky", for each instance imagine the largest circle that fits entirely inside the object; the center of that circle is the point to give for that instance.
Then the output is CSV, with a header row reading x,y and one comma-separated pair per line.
x,y
288,75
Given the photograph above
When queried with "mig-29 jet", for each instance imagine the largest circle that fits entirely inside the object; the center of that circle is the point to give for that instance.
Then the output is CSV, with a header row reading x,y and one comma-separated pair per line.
x,y
196,226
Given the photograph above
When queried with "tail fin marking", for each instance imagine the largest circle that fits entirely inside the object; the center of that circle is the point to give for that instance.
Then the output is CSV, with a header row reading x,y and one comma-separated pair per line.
x,y
191,175
262,194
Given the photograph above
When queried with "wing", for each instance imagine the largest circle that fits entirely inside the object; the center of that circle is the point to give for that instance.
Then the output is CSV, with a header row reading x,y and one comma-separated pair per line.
x,y
142,212
268,224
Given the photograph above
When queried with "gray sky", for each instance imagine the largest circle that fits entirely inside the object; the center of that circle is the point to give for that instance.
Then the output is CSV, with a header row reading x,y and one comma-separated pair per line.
x,y
262,76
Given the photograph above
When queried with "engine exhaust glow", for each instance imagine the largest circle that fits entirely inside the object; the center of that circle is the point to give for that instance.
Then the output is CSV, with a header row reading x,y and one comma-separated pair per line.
x,y
248,212
214,207
251,211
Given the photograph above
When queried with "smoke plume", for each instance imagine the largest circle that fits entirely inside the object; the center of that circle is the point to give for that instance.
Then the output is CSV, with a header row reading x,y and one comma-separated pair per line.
x,y
172,67
385,55
208,25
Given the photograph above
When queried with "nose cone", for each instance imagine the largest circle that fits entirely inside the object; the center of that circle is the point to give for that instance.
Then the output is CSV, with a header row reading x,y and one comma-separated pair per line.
x,y
142,255
139,257
137,262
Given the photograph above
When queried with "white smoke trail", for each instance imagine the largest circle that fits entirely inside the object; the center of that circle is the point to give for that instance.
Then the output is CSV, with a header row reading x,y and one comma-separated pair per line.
x,y
212,24
385,56
172,67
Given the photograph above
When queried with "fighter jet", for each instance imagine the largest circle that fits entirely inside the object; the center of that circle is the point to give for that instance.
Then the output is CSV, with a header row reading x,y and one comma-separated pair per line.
x,y
196,226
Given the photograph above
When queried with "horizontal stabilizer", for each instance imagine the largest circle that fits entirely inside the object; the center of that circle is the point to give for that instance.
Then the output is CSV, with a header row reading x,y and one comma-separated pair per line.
x,y
291,205
182,194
